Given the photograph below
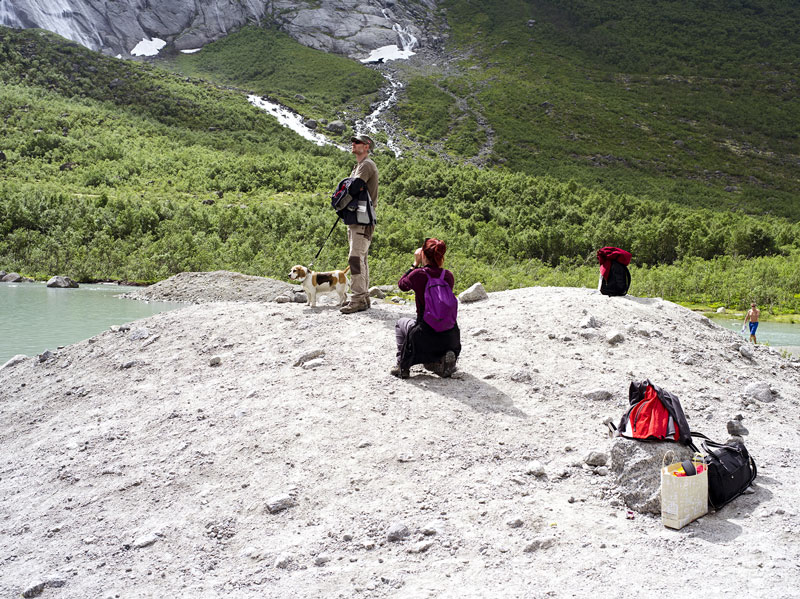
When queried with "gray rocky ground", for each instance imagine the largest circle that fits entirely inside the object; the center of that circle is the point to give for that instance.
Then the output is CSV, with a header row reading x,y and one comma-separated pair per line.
x,y
257,449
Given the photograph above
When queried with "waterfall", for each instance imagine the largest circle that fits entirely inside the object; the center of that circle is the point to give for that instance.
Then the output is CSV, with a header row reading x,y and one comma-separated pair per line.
x,y
394,52
383,54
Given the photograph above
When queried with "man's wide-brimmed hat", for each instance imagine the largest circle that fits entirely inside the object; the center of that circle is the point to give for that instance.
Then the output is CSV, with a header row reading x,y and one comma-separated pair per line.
x,y
364,139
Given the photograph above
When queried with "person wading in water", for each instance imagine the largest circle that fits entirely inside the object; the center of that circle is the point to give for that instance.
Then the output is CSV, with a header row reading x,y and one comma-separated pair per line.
x,y
752,317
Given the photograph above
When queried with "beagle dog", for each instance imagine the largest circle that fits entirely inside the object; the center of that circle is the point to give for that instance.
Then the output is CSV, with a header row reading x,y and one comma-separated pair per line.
x,y
321,282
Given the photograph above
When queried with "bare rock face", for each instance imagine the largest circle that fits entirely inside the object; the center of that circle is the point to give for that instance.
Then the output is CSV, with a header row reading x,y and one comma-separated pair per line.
x,y
636,466
62,282
349,27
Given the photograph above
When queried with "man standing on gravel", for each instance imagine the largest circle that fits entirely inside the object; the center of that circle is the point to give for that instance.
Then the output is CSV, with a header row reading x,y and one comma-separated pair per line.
x,y
752,317
360,236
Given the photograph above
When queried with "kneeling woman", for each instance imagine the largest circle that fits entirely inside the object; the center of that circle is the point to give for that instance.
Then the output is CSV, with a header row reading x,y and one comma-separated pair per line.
x,y
417,341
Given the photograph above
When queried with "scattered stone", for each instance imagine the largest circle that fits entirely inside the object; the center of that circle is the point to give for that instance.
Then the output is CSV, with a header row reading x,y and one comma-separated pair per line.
x,y
280,503
145,541
514,523
364,444
614,337
736,428
475,293
746,352
283,561
590,322
596,458
306,357
477,332
759,390
300,297
540,543
636,468
597,395
14,361
34,590
336,127
46,356
686,359
315,363
283,299
376,292
321,560
151,340
397,532
12,277
139,334
221,530
62,283
420,547
521,376
601,471
128,364
536,468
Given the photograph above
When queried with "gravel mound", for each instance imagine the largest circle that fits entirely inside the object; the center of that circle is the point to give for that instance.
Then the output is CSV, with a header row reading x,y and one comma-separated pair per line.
x,y
263,450
217,286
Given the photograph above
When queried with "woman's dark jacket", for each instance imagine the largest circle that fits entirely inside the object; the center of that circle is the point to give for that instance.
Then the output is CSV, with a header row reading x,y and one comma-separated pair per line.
x,y
423,344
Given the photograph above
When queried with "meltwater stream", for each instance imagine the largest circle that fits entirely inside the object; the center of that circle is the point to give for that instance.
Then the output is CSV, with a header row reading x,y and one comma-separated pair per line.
x,y
369,124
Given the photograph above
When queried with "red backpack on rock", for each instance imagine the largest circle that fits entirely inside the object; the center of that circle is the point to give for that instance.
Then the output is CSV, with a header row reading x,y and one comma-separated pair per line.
x,y
654,414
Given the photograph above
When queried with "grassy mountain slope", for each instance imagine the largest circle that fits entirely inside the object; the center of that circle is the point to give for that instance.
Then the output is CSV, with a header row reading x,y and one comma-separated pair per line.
x,y
691,102
270,63
175,174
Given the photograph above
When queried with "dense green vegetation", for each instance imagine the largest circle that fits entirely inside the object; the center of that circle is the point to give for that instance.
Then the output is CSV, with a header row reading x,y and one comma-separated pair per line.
x,y
690,102
112,169
426,110
268,62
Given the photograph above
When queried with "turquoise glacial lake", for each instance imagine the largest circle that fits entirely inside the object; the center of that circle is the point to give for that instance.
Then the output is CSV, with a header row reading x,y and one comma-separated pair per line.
x,y
34,318
775,334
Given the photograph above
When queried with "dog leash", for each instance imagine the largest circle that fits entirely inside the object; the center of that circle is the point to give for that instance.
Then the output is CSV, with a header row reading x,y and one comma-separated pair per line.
x,y
323,243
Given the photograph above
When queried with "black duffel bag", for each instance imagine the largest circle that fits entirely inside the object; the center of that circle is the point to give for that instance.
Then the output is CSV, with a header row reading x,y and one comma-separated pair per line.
x,y
731,470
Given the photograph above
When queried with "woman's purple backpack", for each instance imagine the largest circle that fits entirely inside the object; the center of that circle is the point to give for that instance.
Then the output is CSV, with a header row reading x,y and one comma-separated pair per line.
x,y
441,304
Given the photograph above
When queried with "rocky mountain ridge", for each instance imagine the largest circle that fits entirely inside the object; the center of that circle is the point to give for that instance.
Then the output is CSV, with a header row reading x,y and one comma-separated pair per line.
x,y
346,27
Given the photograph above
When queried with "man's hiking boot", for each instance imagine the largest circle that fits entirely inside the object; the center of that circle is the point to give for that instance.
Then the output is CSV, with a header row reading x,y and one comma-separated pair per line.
x,y
448,365
401,373
351,307
444,367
